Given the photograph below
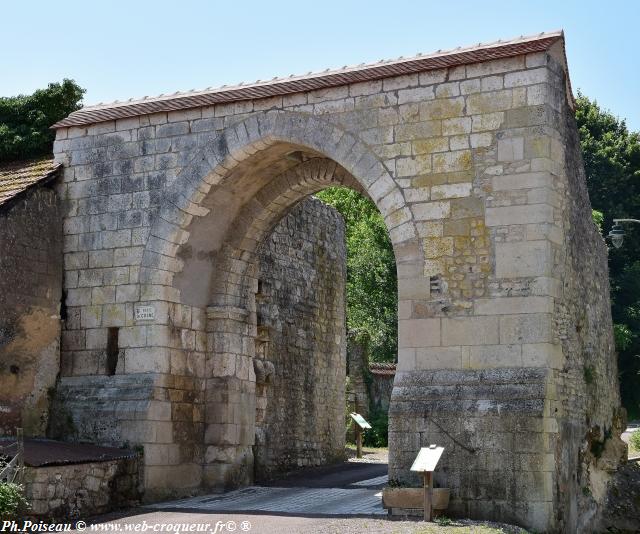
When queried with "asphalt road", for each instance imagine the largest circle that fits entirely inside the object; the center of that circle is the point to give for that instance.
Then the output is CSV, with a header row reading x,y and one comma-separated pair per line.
x,y
332,476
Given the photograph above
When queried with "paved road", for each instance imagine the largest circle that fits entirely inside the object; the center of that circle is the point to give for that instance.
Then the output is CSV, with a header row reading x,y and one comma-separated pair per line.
x,y
349,489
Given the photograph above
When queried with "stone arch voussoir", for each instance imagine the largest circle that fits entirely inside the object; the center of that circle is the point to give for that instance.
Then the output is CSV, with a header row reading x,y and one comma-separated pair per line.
x,y
219,154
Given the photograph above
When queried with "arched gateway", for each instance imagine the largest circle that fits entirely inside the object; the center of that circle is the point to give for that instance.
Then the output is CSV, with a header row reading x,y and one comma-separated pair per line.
x,y
472,159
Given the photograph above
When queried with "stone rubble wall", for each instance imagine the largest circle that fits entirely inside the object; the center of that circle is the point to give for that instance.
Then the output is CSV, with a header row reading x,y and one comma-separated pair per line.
x,y
67,492
380,391
585,395
30,293
301,310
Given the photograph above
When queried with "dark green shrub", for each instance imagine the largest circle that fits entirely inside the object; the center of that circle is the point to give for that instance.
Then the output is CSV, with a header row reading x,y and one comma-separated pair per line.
x,y
378,434
12,501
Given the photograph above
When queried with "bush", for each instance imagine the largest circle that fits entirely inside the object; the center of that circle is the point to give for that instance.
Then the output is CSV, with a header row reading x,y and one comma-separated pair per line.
x,y
378,434
25,119
12,502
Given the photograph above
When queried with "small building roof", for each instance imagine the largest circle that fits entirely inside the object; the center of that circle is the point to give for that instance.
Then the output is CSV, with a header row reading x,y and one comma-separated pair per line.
x,y
19,176
382,368
312,81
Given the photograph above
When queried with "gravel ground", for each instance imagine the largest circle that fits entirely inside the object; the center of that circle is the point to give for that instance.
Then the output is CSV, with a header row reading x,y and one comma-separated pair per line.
x,y
370,455
385,526
279,524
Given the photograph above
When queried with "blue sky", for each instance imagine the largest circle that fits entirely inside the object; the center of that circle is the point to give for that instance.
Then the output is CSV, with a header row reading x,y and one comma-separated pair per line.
x,y
118,50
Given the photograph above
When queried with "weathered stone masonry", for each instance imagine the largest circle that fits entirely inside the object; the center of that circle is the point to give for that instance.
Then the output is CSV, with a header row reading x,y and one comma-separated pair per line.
x,y
31,288
470,157
300,355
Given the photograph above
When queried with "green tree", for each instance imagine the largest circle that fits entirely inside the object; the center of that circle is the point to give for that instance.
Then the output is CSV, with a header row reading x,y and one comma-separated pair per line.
x,y
372,294
611,156
25,120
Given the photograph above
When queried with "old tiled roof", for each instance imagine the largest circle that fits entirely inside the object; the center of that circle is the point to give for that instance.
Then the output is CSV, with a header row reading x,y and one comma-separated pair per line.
x,y
17,177
329,78
43,452
382,368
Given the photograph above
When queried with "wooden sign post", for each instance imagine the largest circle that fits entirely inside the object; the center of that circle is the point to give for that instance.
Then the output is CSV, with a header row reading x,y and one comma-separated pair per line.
x,y
425,463
361,425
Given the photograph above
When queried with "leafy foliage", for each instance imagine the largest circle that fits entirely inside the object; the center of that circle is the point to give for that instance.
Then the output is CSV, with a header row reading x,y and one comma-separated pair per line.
x,y
598,218
12,502
378,434
612,162
634,440
372,300
25,119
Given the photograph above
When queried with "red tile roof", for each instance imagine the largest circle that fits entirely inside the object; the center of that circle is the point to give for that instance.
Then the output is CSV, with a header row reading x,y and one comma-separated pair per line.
x,y
309,82
17,177
382,368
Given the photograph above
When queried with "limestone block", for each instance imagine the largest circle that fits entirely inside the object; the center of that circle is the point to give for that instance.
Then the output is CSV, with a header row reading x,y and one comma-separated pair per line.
x,y
418,94
481,140
433,267
446,90
459,142
487,121
526,77
493,356
542,355
526,328
470,331
133,336
96,338
114,315
418,130
456,126
127,293
523,259
460,160
103,295
431,145
451,191
147,360
525,180
406,359
433,76
525,214
412,166
439,358
495,66
441,108
418,333
483,103
437,247
511,149
431,210
512,305
91,316
413,288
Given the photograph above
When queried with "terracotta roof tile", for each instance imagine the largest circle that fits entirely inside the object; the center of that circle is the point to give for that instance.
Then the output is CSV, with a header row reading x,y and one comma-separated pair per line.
x,y
382,368
296,84
17,177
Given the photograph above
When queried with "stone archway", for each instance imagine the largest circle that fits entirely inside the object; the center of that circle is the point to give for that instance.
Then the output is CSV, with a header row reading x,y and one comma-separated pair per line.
x,y
232,323
207,167
205,239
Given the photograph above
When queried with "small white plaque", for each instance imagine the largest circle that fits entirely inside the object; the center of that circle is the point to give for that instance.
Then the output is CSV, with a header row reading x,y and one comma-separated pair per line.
x,y
427,458
145,313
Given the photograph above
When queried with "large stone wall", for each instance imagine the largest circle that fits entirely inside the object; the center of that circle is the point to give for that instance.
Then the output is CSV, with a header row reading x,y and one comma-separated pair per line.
x,y
472,169
302,338
30,294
